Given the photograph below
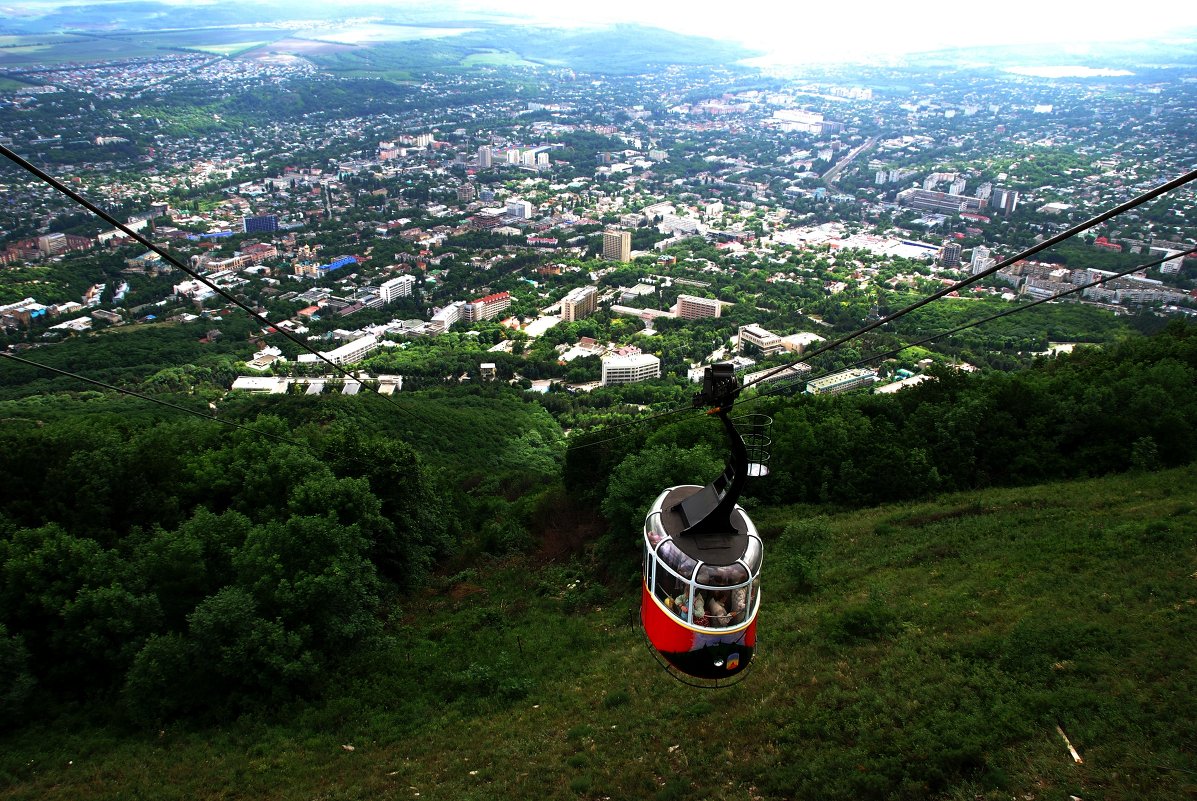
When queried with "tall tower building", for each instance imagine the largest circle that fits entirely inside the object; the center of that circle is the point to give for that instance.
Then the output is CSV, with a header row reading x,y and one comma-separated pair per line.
x,y
949,255
1005,200
520,209
484,157
579,303
617,245
980,254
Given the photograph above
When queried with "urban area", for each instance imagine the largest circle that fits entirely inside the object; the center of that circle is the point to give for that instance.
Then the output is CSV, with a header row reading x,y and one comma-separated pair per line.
x,y
576,231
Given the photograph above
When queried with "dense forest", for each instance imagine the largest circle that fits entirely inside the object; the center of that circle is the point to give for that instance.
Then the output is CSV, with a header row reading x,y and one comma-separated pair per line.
x,y
177,568
165,572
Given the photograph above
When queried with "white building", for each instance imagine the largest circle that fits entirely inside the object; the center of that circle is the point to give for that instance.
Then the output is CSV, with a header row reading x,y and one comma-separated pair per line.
x,y
271,385
842,381
348,353
194,290
773,374
396,288
520,209
798,343
764,341
629,369
444,319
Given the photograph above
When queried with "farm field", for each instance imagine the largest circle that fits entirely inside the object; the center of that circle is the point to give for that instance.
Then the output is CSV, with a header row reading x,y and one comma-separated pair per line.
x,y
52,50
25,52
496,58
370,34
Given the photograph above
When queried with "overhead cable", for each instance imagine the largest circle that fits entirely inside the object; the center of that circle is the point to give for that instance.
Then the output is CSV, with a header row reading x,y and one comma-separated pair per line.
x,y
176,262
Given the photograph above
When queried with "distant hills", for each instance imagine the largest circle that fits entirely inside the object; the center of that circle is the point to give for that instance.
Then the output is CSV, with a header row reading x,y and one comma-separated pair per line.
x,y
489,40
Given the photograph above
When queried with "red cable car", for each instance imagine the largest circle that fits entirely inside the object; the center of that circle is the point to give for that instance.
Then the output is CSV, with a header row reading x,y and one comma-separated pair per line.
x,y
702,558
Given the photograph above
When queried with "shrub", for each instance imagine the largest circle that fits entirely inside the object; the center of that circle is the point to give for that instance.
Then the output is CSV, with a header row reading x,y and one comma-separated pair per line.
x,y
16,682
870,620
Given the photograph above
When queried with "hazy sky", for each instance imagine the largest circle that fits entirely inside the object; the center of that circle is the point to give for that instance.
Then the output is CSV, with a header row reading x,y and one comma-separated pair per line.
x,y
805,31
858,27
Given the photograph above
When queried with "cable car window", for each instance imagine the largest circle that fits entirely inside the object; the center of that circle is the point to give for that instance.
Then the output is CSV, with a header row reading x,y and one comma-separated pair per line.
x,y
717,602
672,592
671,555
739,605
723,576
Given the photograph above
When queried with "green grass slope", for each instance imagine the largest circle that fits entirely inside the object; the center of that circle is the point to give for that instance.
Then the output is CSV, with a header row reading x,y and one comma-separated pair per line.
x,y
922,650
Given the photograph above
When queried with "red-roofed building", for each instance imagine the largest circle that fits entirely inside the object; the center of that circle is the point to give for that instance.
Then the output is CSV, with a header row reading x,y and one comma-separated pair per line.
x,y
487,307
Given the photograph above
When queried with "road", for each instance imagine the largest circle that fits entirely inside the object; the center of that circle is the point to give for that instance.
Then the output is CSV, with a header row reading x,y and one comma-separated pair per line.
x,y
831,175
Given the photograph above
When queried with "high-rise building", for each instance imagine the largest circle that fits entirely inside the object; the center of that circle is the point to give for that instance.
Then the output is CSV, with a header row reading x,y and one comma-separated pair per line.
x,y
579,303
466,193
980,254
520,209
484,157
690,307
263,224
617,245
957,187
487,307
52,244
396,288
444,319
1004,200
949,255
981,260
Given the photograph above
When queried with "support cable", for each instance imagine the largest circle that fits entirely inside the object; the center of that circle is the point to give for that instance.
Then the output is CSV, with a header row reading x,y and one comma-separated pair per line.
x,y
1134,202
152,399
990,318
176,262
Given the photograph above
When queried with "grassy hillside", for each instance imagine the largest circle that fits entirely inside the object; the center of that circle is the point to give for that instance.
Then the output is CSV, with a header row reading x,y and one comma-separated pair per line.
x,y
907,651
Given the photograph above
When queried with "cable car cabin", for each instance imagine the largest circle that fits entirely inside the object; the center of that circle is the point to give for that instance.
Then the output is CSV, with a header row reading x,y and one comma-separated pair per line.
x,y
700,602
702,555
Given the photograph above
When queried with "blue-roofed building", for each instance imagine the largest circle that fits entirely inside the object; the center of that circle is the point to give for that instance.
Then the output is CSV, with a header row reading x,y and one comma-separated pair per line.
x,y
337,264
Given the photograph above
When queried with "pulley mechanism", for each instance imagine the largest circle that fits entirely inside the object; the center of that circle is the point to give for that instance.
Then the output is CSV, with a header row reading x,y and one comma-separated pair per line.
x,y
711,534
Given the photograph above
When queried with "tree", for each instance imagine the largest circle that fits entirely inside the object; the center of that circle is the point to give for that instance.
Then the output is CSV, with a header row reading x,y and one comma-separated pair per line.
x,y
639,479
313,575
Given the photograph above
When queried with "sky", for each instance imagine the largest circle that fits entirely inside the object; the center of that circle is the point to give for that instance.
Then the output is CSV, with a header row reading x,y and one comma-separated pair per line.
x,y
860,27
797,31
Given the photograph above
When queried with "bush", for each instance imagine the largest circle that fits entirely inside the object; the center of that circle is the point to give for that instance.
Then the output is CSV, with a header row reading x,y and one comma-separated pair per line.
x,y
798,550
489,682
16,682
870,620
